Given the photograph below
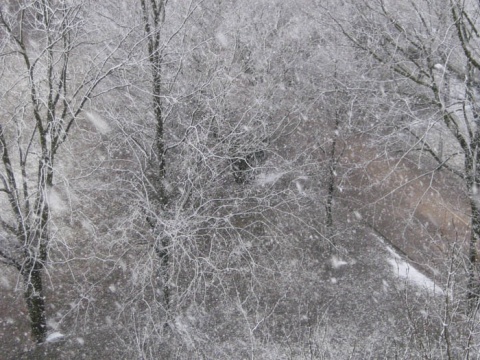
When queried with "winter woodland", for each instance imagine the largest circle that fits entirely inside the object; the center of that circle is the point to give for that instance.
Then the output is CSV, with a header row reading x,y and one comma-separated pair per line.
x,y
257,179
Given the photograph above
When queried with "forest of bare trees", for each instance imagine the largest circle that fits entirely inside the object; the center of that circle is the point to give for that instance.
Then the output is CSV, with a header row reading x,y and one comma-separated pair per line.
x,y
215,179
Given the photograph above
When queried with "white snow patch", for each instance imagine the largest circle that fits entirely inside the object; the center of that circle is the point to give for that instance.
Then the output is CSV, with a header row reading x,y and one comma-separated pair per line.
x,y
100,125
265,179
55,336
406,271
336,262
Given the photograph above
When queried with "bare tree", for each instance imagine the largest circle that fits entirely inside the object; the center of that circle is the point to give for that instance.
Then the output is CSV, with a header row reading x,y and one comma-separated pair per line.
x,y
49,78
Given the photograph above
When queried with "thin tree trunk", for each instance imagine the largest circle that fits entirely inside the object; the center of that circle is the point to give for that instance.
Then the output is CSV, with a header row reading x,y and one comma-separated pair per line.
x,y
35,298
331,189
153,18
164,256
332,168
473,281
472,176
163,252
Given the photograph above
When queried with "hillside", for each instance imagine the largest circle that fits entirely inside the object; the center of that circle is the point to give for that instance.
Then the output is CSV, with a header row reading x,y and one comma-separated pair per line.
x,y
336,306
361,298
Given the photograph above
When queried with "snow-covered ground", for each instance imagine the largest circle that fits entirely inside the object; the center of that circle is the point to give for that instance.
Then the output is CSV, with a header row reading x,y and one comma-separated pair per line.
x,y
407,272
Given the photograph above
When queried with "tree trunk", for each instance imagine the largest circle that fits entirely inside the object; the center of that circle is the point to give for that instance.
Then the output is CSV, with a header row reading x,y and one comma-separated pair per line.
x,y
164,256
332,171
34,296
473,285
330,193
473,185
153,19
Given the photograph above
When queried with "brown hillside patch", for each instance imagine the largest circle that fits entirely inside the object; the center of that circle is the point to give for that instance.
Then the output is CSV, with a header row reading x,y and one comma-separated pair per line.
x,y
420,209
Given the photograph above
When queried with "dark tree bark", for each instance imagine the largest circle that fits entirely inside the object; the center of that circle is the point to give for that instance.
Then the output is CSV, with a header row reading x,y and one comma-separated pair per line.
x,y
473,183
35,299
331,179
153,19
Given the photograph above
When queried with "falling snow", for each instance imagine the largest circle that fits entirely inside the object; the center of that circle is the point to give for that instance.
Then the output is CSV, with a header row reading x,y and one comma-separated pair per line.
x,y
55,201
337,263
100,124
266,179
55,336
